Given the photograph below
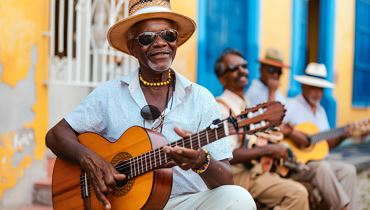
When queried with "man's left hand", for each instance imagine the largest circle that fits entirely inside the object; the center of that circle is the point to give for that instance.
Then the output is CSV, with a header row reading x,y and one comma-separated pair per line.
x,y
183,157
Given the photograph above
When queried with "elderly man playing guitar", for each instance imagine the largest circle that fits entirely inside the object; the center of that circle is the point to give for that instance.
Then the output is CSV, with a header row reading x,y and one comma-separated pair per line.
x,y
156,97
336,180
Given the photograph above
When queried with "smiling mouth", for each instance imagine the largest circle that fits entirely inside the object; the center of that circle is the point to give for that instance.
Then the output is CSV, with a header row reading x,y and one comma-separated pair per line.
x,y
159,54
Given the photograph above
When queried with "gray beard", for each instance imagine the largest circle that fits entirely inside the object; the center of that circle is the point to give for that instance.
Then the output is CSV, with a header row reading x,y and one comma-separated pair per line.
x,y
158,68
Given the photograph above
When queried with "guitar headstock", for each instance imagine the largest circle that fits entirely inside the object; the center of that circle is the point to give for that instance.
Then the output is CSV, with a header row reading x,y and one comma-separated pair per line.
x,y
258,118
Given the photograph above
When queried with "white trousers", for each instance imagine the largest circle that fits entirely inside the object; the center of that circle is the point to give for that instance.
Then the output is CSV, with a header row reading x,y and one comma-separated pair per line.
x,y
230,197
337,182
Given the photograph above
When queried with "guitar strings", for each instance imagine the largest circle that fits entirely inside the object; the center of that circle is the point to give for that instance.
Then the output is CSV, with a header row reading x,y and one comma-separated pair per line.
x,y
126,165
153,154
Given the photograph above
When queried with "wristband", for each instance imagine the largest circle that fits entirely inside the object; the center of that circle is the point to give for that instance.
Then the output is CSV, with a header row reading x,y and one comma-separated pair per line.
x,y
205,165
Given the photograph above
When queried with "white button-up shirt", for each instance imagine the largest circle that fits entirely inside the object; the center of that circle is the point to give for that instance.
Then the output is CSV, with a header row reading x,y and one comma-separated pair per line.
x,y
258,93
115,106
299,111
232,101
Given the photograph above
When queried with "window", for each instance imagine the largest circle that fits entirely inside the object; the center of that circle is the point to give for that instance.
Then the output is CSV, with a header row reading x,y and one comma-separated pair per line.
x,y
361,74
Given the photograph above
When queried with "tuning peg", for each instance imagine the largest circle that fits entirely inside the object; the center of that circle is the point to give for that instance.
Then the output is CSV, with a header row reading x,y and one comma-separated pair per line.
x,y
260,111
263,123
252,127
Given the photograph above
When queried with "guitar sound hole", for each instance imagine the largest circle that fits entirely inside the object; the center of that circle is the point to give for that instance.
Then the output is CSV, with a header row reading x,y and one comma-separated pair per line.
x,y
122,187
120,184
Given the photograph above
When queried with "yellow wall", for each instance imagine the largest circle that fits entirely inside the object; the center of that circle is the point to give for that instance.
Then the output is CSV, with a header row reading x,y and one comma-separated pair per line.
x,y
185,61
276,31
22,27
343,62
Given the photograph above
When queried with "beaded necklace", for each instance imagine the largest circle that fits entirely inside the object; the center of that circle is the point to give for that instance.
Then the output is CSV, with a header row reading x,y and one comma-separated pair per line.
x,y
156,84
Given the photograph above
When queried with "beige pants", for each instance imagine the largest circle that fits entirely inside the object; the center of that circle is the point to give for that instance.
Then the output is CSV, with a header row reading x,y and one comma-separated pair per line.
x,y
225,197
337,183
274,191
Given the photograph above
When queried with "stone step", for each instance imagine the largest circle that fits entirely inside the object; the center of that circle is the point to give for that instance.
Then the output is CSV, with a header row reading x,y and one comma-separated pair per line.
x,y
42,192
42,188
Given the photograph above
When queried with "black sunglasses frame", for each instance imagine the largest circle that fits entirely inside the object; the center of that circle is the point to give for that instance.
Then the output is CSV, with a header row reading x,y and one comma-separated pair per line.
x,y
153,36
231,69
273,69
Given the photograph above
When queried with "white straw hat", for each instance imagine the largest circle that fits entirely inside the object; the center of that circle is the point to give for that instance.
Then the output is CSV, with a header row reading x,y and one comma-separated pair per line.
x,y
140,10
315,75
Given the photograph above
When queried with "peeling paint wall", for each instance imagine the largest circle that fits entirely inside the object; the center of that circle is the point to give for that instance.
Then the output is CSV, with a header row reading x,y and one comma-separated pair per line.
x,y
23,96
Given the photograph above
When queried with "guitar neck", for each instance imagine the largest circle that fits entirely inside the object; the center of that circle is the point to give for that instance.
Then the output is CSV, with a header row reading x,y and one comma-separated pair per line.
x,y
327,134
157,157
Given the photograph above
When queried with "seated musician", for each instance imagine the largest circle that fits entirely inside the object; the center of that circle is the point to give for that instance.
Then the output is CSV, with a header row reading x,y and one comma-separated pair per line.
x,y
157,97
266,88
266,186
335,180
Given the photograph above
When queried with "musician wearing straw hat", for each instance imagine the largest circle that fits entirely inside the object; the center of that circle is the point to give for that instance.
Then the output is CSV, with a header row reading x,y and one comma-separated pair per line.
x,y
157,97
336,180
266,88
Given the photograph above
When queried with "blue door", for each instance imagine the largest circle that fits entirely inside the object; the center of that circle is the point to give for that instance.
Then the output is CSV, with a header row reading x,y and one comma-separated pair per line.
x,y
361,74
224,24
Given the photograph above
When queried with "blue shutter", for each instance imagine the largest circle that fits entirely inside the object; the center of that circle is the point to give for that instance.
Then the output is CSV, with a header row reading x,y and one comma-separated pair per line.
x,y
299,45
361,75
222,24
326,55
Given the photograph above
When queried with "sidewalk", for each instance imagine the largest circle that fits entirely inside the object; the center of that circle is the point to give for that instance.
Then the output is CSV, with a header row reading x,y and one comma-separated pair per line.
x,y
359,156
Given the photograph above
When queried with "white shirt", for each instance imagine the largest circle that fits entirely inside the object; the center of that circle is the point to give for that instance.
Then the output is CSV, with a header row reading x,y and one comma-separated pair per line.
x,y
258,93
237,105
115,105
299,111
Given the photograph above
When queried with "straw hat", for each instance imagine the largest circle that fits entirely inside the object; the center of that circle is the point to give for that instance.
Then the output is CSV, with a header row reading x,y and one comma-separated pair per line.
x,y
273,57
315,75
140,10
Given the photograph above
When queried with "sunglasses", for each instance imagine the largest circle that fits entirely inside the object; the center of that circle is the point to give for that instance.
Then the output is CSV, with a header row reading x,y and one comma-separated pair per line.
x,y
148,37
150,112
235,68
272,70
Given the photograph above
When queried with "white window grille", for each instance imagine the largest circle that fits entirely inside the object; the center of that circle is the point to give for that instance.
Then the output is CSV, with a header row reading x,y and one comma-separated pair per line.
x,y
79,51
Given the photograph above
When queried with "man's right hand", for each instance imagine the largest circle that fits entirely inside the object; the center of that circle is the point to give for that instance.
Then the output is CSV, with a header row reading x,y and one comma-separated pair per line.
x,y
278,151
273,84
102,175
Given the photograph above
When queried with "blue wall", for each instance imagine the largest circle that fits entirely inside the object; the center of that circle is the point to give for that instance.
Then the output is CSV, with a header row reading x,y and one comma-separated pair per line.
x,y
223,25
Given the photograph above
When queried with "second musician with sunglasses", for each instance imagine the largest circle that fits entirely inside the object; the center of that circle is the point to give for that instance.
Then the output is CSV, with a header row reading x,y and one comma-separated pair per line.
x,y
154,96
266,88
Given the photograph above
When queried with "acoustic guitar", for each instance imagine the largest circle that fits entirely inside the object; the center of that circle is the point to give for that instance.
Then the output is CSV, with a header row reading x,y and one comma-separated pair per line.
x,y
138,154
319,147
282,167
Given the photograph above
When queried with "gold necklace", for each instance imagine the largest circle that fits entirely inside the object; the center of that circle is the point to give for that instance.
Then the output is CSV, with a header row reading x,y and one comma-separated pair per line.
x,y
157,84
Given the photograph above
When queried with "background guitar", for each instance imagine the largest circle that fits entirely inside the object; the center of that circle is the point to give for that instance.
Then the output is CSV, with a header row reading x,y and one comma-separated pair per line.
x,y
138,154
282,167
319,147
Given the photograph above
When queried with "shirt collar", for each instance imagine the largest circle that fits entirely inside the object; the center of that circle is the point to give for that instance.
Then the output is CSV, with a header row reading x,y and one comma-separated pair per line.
x,y
306,104
235,98
260,84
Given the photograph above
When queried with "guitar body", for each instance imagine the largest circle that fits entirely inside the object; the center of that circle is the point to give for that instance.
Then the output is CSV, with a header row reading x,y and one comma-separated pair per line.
x,y
148,191
316,151
136,154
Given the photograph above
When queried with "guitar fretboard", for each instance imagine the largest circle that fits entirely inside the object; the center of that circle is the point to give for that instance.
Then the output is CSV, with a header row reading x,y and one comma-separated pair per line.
x,y
327,134
157,157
